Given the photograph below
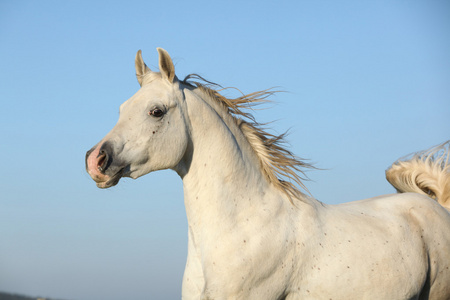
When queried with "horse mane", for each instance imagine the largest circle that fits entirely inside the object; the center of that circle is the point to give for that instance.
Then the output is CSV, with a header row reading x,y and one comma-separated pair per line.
x,y
281,167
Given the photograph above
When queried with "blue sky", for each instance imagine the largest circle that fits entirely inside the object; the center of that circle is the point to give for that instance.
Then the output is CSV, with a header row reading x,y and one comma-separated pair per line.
x,y
367,82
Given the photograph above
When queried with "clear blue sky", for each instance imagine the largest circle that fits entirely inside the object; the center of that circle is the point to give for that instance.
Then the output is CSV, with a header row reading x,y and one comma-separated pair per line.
x,y
367,82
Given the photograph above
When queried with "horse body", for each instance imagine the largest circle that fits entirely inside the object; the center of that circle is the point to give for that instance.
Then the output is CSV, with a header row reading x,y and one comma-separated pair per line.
x,y
252,237
381,248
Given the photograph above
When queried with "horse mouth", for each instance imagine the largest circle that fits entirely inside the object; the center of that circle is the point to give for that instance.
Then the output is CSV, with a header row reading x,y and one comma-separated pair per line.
x,y
111,180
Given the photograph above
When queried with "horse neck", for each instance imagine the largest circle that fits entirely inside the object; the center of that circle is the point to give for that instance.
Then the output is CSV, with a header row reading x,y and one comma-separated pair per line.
x,y
224,181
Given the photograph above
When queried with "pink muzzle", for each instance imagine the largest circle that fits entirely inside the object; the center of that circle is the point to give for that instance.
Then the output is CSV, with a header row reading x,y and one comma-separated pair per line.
x,y
95,164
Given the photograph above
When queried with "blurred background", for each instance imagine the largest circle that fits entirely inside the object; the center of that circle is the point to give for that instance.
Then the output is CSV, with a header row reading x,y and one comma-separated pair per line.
x,y
367,82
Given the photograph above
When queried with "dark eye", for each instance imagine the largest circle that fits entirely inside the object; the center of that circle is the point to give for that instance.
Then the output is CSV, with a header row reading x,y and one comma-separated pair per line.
x,y
156,112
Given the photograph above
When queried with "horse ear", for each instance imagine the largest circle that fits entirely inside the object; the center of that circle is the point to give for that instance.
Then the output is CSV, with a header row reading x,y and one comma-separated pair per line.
x,y
166,66
141,67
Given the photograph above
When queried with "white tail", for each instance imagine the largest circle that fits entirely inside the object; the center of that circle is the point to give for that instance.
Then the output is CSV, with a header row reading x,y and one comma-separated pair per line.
x,y
426,172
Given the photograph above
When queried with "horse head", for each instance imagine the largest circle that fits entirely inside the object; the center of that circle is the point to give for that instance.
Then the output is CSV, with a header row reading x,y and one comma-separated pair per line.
x,y
151,133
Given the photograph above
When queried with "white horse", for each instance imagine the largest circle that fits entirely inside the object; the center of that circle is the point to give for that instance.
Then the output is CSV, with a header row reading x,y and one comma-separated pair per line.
x,y
252,233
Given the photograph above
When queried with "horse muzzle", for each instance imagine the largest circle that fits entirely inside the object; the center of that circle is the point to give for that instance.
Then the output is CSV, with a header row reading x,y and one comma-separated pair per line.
x,y
99,166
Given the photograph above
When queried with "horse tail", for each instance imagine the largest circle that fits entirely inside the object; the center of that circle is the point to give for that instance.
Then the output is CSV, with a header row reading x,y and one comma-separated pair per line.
x,y
426,172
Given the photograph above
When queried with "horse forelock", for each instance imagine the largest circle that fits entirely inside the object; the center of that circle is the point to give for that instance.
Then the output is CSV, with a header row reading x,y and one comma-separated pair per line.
x,y
149,77
281,167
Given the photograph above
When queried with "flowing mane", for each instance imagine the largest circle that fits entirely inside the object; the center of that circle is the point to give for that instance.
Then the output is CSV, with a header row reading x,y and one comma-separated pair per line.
x,y
282,168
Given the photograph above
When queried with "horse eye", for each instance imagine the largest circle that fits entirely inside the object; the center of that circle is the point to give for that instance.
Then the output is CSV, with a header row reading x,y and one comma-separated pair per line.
x,y
156,112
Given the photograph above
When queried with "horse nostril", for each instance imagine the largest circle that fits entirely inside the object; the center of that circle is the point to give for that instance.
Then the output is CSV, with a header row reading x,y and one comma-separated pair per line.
x,y
102,161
